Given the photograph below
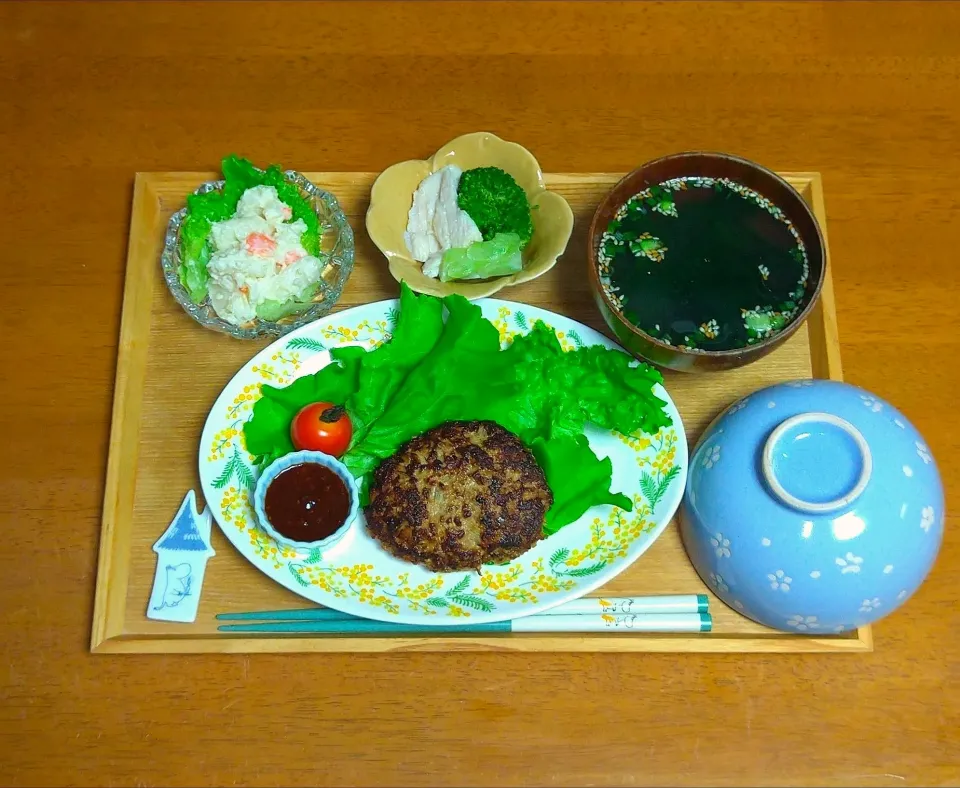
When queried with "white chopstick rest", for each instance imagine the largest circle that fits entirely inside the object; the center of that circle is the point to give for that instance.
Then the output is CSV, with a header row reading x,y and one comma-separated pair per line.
x,y
182,554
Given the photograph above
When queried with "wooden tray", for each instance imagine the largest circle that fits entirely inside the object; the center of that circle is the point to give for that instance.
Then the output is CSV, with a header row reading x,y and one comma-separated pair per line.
x,y
170,371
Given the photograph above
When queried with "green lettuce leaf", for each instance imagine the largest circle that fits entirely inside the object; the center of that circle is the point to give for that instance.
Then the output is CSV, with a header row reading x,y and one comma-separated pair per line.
x,y
588,488
267,434
274,310
441,385
434,371
361,381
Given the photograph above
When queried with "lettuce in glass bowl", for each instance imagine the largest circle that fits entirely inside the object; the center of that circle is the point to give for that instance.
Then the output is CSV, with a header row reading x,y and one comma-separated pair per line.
x,y
187,249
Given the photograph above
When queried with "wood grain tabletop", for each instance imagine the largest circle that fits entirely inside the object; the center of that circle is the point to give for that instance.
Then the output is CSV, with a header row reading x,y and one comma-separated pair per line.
x,y
867,94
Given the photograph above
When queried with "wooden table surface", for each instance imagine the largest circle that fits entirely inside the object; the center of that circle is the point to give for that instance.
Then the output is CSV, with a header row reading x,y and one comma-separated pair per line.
x,y
868,94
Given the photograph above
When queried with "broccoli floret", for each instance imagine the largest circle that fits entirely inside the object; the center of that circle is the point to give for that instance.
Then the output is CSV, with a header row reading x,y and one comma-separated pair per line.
x,y
495,201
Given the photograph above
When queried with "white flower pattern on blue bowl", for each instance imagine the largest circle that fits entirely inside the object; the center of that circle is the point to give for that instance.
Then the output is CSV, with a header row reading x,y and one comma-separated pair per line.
x,y
721,545
825,513
779,581
803,623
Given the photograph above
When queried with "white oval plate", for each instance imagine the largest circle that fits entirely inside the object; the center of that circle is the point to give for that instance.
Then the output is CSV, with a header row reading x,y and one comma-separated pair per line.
x,y
358,577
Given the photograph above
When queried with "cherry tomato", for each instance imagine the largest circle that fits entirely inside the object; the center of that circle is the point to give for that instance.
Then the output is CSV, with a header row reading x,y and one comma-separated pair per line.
x,y
322,426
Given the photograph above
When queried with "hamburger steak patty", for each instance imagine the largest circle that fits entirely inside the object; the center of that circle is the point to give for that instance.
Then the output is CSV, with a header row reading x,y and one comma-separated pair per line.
x,y
458,496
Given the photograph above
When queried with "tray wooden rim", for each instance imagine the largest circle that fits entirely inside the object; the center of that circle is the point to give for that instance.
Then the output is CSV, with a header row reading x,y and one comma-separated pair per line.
x,y
112,574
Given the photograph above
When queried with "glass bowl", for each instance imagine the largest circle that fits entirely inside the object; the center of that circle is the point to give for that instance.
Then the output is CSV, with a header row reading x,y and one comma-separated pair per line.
x,y
336,245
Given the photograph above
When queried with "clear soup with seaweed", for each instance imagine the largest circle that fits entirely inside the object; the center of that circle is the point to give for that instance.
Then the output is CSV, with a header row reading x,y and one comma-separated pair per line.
x,y
704,264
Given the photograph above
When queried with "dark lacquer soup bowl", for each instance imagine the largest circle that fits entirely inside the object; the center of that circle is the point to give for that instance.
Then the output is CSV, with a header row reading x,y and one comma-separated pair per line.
x,y
704,261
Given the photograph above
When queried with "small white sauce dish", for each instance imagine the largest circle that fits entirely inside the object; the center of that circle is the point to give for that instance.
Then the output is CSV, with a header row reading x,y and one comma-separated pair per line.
x,y
277,467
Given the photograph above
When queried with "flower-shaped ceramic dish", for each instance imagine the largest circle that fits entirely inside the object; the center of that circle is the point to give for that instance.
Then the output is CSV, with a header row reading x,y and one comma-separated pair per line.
x,y
392,196
300,458
708,280
813,507
336,246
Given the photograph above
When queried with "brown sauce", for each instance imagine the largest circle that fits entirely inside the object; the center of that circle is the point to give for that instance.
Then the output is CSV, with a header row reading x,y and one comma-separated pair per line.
x,y
307,502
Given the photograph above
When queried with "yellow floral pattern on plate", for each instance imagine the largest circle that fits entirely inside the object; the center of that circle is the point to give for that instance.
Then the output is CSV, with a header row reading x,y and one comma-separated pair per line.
x,y
523,583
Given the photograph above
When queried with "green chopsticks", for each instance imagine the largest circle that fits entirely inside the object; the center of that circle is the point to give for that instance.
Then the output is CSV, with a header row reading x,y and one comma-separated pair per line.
x,y
665,614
